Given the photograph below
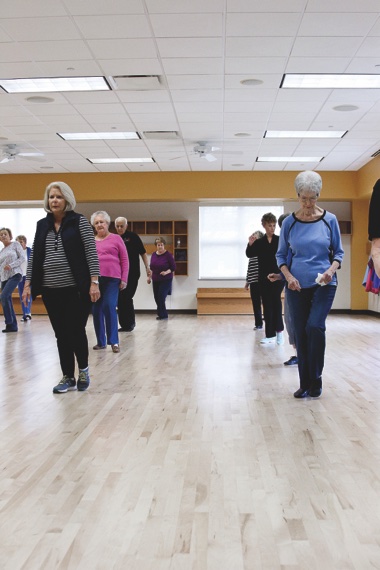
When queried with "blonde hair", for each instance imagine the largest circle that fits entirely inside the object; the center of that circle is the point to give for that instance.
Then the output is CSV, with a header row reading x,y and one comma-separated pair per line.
x,y
66,192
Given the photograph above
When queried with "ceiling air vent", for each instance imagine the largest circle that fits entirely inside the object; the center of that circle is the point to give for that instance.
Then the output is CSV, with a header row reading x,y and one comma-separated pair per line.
x,y
375,153
161,135
137,82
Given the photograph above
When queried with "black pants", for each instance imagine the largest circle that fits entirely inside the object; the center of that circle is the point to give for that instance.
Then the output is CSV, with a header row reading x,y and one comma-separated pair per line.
x,y
254,289
125,307
272,304
68,312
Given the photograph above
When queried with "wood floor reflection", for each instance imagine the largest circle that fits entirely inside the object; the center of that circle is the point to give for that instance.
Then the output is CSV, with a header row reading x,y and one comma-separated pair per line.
x,y
189,452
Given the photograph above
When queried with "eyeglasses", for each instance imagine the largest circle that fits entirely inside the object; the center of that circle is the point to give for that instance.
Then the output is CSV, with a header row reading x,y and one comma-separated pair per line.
x,y
305,200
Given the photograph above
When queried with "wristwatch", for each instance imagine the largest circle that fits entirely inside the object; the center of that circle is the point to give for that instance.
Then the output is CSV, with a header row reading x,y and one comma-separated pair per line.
x,y
95,282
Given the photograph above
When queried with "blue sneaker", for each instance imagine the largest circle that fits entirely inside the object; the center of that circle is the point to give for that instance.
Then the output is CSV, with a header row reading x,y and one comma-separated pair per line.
x,y
65,385
83,380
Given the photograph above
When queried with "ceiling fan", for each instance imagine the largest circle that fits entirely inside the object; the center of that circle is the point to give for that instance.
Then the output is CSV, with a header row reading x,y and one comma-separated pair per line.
x,y
206,151
11,151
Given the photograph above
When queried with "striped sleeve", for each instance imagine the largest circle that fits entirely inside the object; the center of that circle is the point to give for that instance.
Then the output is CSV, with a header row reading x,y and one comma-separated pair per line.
x,y
88,240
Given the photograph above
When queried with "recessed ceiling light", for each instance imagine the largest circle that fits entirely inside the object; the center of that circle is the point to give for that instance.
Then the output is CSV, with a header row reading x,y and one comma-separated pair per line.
x,y
304,134
330,81
118,160
39,99
346,108
98,136
242,134
54,84
289,158
251,82
237,164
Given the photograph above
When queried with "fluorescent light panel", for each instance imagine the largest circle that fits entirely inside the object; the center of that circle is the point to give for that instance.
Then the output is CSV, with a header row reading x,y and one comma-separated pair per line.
x,y
304,134
289,158
98,136
330,81
115,160
54,84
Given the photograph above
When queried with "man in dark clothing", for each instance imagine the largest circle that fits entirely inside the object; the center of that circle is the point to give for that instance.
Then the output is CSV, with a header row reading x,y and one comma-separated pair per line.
x,y
135,249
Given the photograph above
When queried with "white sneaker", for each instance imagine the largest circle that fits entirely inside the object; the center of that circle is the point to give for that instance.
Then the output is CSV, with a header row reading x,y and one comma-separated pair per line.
x,y
280,338
266,340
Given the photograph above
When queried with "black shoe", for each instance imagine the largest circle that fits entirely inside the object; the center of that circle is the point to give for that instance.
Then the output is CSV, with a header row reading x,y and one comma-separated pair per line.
x,y
29,317
301,393
121,330
292,360
130,329
161,318
315,392
9,329
257,328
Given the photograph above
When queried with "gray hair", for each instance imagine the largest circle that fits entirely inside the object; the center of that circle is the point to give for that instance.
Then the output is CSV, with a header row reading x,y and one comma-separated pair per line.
x,y
101,213
124,221
66,192
308,181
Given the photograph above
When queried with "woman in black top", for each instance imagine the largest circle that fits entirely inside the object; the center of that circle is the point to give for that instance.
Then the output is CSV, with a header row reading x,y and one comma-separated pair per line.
x,y
64,269
265,250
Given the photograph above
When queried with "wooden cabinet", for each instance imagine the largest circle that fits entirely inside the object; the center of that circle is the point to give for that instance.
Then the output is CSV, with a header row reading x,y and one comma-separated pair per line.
x,y
175,234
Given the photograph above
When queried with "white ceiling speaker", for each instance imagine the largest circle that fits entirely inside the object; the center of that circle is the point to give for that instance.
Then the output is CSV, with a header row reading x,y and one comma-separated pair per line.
x,y
11,151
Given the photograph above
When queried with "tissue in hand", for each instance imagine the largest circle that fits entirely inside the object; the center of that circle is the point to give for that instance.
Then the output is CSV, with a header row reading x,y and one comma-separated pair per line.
x,y
318,279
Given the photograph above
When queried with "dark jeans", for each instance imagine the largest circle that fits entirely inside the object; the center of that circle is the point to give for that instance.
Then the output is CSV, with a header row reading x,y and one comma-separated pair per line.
x,y
272,305
161,290
125,307
7,288
309,309
254,289
68,312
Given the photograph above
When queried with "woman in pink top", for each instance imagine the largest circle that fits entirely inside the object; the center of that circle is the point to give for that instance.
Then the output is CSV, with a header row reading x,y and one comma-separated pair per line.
x,y
114,267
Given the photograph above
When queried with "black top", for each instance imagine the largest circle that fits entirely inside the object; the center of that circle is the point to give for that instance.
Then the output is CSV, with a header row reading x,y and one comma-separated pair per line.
x,y
374,213
266,254
135,248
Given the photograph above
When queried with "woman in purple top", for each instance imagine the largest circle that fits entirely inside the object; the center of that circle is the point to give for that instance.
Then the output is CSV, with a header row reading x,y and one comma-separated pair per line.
x,y
114,267
162,265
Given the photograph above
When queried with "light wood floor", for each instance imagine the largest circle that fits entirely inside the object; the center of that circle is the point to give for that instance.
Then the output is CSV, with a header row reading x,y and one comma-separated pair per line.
x,y
189,452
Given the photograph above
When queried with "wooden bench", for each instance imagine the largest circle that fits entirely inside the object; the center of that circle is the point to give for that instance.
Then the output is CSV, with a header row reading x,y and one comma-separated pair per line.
x,y
224,301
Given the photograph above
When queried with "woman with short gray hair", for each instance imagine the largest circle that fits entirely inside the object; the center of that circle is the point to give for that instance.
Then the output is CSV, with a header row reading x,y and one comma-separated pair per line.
x,y
309,254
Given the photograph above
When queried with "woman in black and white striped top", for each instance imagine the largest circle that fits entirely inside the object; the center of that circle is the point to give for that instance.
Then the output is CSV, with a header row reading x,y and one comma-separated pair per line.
x,y
252,283
64,269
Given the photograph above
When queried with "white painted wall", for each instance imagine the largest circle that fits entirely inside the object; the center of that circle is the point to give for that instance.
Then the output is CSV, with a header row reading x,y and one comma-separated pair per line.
x,y
185,288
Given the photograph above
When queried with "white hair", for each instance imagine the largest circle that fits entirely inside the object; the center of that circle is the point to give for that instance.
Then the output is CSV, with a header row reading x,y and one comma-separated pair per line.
x,y
101,213
308,181
122,220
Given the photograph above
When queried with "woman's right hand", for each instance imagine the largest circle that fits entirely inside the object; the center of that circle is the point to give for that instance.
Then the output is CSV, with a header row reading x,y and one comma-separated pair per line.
x,y
251,239
149,280
26,294
293,283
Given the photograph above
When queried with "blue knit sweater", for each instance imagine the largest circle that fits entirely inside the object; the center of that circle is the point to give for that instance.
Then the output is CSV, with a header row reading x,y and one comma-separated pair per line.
x,y
309,248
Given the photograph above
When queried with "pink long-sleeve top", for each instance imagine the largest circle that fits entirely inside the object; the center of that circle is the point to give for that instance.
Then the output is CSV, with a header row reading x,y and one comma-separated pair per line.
x,y
113,257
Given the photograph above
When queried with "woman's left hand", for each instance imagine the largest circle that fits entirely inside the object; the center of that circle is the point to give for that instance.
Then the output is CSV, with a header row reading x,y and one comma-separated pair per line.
x,y
165,272
94,292
7,267
122,285
327,276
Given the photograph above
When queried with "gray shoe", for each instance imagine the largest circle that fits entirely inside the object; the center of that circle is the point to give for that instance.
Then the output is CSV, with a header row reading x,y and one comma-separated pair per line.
x,y
83,380
65,385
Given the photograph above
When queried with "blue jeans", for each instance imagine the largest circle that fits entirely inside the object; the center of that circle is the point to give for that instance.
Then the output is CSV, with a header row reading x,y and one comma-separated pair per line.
x,y
26,309
309,309
7,288
104,311
161,290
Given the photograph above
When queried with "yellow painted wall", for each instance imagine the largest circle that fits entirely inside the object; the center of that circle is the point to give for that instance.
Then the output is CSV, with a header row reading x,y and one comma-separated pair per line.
x,y
194,186
174,186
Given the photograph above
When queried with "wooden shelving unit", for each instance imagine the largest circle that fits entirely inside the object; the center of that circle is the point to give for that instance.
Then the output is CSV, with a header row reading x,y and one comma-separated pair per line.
x,y
175,234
